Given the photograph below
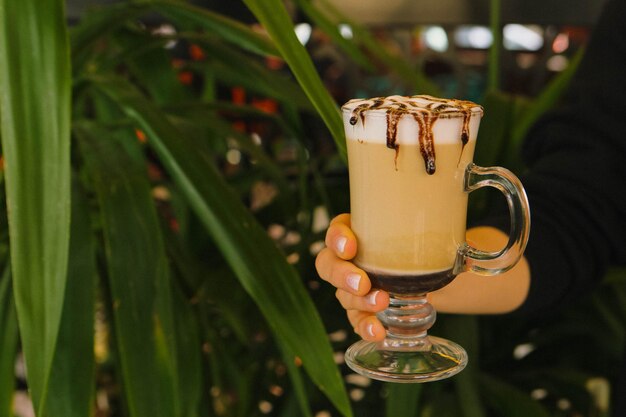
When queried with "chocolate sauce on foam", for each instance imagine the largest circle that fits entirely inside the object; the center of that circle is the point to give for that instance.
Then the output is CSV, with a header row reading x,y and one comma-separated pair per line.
x,y
425,110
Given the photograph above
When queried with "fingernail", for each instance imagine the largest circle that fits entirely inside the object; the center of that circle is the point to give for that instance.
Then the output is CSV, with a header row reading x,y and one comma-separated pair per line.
x,y
353,281
370,329
372,298
340,243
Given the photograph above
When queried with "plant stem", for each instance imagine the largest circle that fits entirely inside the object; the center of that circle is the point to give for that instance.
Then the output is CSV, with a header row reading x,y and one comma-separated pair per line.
x,y
494,51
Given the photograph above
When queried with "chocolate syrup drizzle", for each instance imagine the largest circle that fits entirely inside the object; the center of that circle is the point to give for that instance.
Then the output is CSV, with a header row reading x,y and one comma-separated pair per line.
x,y
425,116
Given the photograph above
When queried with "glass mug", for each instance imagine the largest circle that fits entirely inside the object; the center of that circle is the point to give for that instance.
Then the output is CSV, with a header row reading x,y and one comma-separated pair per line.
x,y
411,170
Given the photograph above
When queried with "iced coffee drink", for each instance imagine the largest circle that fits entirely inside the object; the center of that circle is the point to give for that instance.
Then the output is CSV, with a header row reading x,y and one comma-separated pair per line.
x,y
407,158
411,170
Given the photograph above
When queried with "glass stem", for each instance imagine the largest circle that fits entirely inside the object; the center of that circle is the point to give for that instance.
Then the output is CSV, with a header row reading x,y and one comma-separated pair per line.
x,y
407,320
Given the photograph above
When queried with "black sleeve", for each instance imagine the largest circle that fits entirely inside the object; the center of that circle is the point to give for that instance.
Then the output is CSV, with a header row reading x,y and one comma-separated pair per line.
x,y
576,182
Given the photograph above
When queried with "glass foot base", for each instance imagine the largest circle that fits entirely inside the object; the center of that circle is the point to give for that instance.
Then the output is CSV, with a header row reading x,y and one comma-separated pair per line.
x,y
440,359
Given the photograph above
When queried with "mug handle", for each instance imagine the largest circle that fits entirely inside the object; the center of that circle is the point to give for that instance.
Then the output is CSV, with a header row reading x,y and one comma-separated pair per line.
x,y
494,263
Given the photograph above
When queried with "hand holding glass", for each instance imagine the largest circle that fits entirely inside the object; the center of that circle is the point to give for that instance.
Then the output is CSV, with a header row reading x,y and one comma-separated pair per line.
x,y
411,170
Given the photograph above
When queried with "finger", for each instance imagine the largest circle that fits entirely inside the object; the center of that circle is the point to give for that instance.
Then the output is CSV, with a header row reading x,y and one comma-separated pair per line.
x,y
341,274
340,238
343,218
366,325
374,301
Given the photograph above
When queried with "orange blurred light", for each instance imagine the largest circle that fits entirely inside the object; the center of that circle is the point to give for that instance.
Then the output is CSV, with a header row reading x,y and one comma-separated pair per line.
x,y
239,95
196,53
185,77
174,225
177,63
267,105
561,43
141,136
274,63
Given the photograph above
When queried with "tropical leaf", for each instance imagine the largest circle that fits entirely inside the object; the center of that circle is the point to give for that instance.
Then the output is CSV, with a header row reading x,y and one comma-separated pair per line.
x,y
260,267
561,382
274,17
152,68
509,401
96,25
192,17
494,132
616,276
545,101
72,381
291,127
493,139
464,330
398,65
105,20
222,128
8,348
403,400
297,383
189,361
35,82
332,30
227,109
493,78
200,280
137,274
225,64
443,404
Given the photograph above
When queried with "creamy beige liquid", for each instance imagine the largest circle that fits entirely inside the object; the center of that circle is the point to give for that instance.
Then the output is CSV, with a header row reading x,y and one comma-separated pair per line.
x,y
407,161
408,222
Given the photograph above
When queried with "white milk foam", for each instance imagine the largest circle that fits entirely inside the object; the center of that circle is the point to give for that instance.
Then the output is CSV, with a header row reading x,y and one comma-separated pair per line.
x,y
446,129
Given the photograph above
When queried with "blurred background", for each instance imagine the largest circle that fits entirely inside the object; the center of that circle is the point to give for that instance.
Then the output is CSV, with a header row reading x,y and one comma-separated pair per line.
x,y
194,107
450,38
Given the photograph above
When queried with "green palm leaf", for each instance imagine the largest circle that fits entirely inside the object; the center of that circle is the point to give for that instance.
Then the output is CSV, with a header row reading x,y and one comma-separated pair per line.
x,y
274,17
230,30
297,382
332,30
137,273
8,347
93,26
72,380
403,400
496,45
254,258
35,103
362,36
545,101
464,330
189,361
225,63
508,400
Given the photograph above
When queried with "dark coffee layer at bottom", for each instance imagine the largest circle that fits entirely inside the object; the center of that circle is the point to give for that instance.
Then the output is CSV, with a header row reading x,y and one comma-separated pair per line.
x,y
411,284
